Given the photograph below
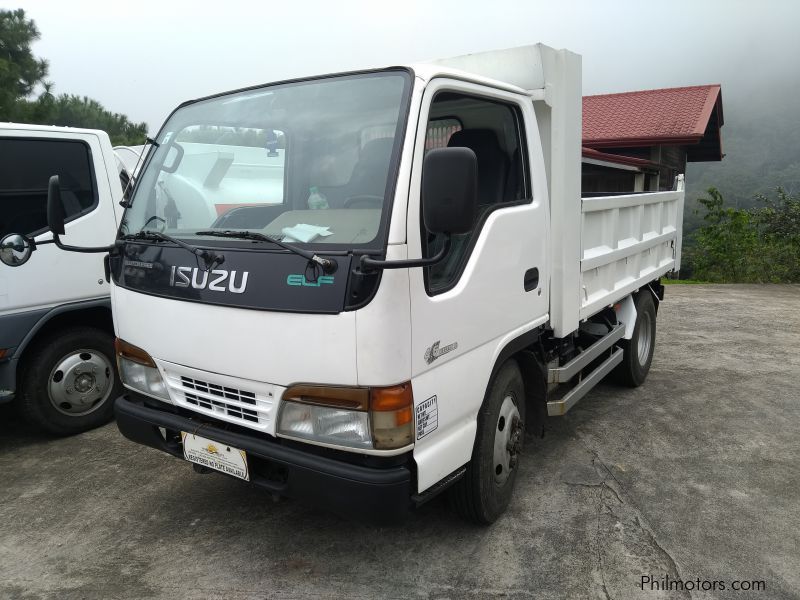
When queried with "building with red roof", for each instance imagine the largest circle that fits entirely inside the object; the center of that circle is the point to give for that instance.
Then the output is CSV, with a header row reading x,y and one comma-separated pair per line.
x,y
641,140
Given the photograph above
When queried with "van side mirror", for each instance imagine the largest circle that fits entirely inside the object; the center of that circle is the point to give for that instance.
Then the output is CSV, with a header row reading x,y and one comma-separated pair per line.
x,y
15,249
449,190
55,208
56,217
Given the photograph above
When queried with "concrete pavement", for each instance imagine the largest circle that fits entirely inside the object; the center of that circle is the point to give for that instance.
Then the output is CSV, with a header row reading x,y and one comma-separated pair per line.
x,y
695,475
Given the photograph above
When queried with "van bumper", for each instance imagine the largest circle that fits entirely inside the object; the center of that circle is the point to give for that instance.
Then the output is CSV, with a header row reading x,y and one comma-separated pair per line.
x,y
369,494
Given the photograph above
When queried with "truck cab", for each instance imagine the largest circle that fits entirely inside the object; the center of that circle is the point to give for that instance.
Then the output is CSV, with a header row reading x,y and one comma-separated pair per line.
x,y
362,289
56,332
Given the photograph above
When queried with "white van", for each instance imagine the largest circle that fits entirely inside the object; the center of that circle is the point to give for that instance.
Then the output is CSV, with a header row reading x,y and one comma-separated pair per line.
x,y
56,332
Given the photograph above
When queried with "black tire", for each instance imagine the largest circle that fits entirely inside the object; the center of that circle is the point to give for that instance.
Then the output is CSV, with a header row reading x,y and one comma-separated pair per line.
x,y
635,365
34,402
479,496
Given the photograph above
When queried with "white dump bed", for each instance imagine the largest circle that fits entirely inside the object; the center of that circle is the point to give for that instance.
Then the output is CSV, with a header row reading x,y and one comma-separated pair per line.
x,y
626,242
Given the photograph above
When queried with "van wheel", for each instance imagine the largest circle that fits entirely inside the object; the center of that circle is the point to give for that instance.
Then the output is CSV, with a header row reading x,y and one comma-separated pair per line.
x,y
485,490
638,351
69,381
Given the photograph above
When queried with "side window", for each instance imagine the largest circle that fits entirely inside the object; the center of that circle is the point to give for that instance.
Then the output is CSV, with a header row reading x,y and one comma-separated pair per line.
x,y
493,130
25,171
440,131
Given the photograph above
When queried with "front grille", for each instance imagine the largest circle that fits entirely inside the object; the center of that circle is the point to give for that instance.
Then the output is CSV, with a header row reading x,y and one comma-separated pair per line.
x,y
221,392
222,401
230,410
218,390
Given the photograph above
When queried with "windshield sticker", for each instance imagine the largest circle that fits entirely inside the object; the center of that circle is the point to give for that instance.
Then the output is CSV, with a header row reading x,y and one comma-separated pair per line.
x,y
434,352
427,417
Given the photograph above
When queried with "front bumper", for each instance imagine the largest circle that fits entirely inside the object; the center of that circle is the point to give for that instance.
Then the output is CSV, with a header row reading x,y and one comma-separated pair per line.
x,y
374,494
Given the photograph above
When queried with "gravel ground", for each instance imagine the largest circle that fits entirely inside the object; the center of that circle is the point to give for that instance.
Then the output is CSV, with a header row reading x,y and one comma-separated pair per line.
x,y
694,475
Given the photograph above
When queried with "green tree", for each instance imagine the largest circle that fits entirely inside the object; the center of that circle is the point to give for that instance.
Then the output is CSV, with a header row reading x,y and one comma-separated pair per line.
x,y
80,111
778,223
756,245
723,246
20,71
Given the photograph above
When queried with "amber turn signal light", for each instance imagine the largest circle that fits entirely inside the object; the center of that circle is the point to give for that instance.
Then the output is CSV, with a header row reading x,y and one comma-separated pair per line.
x,y
392,412
133,353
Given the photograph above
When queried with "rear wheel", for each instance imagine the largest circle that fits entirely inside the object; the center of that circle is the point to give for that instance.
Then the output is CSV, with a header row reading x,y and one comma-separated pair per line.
x,y
638,351
484,492
69,381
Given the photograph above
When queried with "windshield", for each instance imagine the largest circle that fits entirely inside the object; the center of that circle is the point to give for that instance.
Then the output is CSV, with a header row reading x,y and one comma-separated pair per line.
x,y
308,162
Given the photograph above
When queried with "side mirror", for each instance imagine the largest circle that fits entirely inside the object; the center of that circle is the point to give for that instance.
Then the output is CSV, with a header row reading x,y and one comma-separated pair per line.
x,y
15,250
449,190
56,216
449,203
55,208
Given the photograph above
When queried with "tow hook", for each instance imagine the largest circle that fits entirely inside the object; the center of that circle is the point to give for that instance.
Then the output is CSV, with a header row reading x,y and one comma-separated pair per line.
x,y
514,445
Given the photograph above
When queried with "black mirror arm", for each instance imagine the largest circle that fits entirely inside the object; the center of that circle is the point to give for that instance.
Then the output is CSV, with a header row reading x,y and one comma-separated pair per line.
x,y
57,241
371,264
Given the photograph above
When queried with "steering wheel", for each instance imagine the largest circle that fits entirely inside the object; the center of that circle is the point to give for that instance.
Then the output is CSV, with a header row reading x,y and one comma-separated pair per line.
x,y
365,198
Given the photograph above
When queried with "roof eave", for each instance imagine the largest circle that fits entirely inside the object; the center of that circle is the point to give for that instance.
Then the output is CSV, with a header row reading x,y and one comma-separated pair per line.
x,y
642,141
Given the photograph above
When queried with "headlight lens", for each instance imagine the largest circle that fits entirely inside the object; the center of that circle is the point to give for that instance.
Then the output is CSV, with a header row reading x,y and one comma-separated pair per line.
x,y
374,418
326,424
138,370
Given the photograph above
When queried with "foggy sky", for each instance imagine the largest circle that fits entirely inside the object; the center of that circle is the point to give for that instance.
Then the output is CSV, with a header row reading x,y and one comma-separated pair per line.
x,y
144,57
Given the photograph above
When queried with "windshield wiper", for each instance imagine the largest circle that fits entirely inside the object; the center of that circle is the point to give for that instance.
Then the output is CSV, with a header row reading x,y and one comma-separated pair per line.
x,y
328,265
211,259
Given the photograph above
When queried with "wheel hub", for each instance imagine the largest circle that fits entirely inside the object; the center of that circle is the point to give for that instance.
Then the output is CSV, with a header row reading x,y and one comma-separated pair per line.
x,y
80,382
508,436
514,445
644,338
84,382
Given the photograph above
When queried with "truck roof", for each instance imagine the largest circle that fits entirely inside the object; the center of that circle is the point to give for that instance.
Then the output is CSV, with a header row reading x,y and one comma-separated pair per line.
x,y
49,128
520,70
427,71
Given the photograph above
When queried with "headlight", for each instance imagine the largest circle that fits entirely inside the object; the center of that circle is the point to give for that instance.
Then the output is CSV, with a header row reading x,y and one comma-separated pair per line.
x,y
325,424
379,418
138,370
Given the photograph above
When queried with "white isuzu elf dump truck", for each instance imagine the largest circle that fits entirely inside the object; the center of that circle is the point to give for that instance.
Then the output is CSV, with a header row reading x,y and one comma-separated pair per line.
x,y
362,289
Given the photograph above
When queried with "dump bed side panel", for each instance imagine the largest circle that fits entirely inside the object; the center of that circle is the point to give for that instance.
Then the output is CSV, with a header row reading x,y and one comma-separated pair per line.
x,y
627,241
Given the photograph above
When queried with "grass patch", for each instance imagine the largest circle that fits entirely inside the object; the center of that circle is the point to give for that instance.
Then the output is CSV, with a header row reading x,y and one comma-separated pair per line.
x,y
683,281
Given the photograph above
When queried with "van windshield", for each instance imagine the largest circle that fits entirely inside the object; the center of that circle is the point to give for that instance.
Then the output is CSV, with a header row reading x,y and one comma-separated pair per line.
x,y
309,162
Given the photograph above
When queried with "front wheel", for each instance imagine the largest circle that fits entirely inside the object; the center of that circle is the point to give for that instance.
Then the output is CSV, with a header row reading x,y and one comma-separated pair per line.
x,y
69,381
638,351
484,492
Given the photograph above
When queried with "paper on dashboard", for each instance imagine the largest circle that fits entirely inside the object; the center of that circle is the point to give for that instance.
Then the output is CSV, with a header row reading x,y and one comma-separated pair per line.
x,y
303,232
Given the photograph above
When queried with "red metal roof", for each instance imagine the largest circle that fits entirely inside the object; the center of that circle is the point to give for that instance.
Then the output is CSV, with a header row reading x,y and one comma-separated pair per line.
x,y
664,116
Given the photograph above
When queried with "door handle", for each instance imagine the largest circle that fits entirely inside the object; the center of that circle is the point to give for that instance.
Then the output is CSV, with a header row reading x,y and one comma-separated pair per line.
x,y
531,280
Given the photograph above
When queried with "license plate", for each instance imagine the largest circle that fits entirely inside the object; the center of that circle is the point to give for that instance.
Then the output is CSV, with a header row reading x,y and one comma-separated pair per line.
x,y
215,455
